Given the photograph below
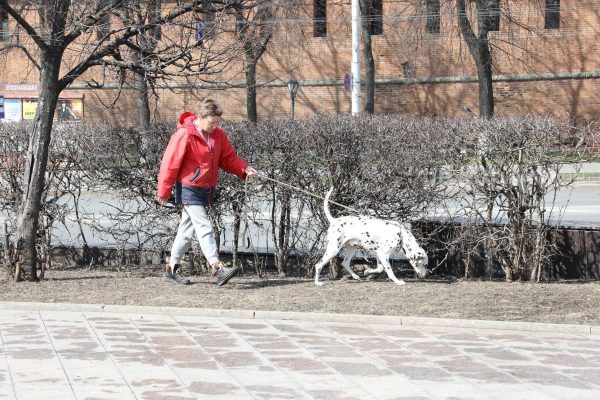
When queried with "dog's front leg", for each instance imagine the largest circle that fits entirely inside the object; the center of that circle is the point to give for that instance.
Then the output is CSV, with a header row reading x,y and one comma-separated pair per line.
x,y
383,259
331,251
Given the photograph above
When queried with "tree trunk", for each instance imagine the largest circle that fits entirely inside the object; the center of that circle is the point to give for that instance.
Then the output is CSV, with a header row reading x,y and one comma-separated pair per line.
x,y
335,269
139,78
508,272
237,220
484,76
141,86
7,250
251,90
254,35
36,162
283,236
368,55
480,51
488,244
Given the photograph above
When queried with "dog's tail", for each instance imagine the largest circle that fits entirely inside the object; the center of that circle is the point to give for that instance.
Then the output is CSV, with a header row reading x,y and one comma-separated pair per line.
x,y
326,206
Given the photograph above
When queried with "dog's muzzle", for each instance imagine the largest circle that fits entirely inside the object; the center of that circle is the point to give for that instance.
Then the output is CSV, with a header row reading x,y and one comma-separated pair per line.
x,y
419,264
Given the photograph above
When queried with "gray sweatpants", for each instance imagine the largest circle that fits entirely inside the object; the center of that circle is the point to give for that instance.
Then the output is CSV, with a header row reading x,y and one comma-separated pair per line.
x,y
194,219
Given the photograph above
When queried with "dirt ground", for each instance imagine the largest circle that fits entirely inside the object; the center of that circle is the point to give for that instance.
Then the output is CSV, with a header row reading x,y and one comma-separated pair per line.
x,y
565,302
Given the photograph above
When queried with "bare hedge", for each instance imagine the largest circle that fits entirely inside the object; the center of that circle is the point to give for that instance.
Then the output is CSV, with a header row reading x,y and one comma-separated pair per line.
x,y
496,175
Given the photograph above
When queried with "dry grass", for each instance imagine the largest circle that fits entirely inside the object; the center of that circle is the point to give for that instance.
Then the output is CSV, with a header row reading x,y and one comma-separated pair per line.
x,y
566,302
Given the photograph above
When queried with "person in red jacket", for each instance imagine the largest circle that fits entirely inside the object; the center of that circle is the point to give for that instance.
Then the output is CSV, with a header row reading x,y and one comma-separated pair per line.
x,y
191,163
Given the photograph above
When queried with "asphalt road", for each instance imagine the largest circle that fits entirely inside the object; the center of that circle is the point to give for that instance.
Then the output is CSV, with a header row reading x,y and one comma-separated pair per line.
x,y
579,207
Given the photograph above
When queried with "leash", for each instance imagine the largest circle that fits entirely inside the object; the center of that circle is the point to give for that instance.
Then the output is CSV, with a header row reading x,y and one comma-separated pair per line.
x,y
248,238
244,234
300,190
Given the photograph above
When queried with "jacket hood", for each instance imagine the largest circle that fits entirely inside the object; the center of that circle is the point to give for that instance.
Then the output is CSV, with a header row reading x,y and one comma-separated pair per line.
x,y
185,119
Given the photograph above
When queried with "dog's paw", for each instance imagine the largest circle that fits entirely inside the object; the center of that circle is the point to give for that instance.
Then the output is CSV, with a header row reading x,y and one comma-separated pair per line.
x,y
400,283
318,283
356,277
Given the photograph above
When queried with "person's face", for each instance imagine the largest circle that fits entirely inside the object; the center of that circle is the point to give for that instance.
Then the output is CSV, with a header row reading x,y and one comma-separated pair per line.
x,y
209,123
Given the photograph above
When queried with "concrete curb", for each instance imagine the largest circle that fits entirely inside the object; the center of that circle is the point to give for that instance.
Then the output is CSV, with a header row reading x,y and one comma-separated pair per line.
x,y
307,316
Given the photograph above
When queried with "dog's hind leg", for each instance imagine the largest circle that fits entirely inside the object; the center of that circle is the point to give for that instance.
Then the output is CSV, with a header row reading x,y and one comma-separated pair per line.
x,y
370,271
333,248
350,251
383,258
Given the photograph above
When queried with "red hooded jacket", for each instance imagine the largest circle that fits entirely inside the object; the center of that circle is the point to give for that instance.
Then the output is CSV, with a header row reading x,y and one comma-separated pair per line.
x,y
193,162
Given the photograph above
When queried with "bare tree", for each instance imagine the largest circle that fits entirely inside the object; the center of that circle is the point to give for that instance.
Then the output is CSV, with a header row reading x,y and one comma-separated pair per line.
x,y
60,194
366,10
254,29
137,15
510,186
61,27
487,13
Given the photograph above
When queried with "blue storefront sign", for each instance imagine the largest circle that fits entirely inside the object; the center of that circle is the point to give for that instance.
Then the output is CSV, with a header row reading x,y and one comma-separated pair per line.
x,y
13,110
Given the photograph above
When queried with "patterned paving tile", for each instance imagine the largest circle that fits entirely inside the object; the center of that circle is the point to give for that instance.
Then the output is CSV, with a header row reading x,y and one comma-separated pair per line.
x,y
74,355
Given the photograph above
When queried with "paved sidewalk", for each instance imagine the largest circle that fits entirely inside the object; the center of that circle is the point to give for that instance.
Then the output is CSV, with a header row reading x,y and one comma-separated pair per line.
x,y
150,353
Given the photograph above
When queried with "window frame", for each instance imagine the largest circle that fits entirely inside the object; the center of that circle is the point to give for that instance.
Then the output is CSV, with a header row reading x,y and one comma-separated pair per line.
x,y
4,26
495,13
319,18
376,18
552,14
432,24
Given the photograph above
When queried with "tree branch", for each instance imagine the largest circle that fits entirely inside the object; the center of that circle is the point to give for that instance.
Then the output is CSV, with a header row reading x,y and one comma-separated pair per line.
x,y
24,50
24,24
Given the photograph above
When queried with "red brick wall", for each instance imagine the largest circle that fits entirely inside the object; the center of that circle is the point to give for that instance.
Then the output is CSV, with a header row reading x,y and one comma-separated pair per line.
x,y
318,63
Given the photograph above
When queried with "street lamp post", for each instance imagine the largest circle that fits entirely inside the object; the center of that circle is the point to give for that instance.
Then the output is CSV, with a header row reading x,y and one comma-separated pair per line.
x,y
356,27
293,88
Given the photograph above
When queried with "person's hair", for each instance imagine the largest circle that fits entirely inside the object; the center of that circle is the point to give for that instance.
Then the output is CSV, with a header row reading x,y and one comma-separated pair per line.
x,y
208,107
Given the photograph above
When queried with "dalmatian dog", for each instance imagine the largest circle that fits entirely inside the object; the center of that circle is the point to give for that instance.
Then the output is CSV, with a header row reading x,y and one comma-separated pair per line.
x,y
381,237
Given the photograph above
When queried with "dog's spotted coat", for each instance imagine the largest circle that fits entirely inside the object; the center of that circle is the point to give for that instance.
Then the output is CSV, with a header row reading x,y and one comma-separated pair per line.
x,y
381,237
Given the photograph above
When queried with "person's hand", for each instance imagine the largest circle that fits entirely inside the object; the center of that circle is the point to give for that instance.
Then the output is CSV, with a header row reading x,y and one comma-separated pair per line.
x,y
250,171
162,200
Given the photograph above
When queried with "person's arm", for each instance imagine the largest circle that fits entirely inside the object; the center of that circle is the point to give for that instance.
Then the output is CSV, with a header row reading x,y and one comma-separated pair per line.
x,y
170,165
231,162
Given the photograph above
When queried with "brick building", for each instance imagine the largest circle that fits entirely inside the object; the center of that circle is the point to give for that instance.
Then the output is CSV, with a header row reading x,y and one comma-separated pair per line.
x,y
545,52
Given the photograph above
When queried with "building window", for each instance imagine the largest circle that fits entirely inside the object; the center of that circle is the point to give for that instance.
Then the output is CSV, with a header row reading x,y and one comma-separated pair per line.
x,y
320,18
552,14
376,17
495,17
4,32
433,16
